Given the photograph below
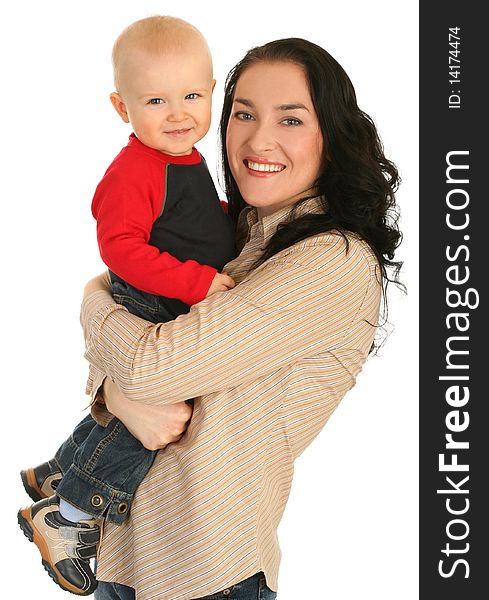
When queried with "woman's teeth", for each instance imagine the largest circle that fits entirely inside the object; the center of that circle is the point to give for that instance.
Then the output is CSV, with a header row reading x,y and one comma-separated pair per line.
x,y
264,167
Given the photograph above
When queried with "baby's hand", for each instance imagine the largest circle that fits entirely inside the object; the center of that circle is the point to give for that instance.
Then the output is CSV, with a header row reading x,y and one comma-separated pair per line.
x,y
221,283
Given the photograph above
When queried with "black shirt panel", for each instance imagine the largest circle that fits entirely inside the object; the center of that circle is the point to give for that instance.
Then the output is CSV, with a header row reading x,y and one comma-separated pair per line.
x,y
193,225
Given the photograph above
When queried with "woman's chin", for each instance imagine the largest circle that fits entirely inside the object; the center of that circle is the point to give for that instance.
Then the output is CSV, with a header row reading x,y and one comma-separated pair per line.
x,y
263,197
261,202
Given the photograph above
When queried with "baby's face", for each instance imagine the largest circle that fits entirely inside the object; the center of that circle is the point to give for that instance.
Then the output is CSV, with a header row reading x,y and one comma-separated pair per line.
x,y
167,99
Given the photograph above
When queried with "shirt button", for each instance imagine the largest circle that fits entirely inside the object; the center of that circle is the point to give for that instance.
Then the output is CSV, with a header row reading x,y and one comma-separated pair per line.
x,y
226,592
97,500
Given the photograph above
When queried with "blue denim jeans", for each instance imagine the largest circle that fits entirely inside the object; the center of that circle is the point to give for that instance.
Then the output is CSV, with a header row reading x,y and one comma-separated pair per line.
x,y
103,466
253,588
156,309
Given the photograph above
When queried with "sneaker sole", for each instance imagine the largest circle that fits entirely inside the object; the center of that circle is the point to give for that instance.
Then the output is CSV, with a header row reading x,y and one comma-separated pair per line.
x,y
31,533
31,486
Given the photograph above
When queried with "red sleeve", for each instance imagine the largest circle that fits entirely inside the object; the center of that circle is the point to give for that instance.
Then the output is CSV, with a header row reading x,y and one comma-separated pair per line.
x,y
127,202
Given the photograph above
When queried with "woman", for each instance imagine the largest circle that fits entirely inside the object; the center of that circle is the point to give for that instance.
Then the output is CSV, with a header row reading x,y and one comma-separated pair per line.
x,y
311,191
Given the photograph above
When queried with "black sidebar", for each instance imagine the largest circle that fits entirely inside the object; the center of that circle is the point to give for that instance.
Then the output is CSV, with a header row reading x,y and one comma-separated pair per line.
x,y
454,198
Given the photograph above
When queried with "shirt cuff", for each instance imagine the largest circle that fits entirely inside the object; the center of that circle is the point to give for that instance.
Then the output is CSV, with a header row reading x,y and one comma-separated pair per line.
x,y
203,282
94,310
97,405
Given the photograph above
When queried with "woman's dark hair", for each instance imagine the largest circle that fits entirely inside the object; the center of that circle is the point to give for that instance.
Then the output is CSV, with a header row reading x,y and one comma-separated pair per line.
x,y
357,182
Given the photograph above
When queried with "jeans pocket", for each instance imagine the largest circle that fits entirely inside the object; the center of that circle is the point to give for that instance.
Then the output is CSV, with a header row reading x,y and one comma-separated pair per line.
x,y
223,595
124,293
264,592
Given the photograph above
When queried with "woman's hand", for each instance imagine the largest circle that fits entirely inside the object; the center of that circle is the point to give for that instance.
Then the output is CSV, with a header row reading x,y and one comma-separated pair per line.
x,y
101,283
153,426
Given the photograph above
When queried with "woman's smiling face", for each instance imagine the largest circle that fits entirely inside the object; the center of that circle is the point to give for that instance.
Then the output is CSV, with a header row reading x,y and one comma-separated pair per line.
x,y
274,141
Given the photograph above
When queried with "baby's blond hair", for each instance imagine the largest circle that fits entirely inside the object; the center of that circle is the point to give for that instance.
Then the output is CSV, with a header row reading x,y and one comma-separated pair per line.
x,y
156,35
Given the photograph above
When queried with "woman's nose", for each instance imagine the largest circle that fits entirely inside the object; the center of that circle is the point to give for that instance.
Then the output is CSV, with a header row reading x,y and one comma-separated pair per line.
x,y
262,139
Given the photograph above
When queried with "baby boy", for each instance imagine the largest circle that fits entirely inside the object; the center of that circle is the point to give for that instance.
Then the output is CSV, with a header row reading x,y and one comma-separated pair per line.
x,y
165,237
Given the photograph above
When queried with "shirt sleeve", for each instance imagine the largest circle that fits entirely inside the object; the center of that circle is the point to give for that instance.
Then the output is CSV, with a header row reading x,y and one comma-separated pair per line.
x,y
292,307
126,204
97,407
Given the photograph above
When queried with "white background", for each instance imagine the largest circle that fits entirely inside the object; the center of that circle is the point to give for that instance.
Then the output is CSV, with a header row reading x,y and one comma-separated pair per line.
x,y
350,528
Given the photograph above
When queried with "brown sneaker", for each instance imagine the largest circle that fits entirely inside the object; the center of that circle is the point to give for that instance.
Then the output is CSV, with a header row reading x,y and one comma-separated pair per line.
x,y
66,547
42,481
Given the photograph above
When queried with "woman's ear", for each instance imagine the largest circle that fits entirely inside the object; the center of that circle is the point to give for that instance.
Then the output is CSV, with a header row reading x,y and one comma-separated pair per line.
x,y
120,107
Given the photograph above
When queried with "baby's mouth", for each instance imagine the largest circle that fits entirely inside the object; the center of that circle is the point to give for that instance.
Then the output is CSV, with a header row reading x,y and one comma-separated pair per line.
x,y
178,132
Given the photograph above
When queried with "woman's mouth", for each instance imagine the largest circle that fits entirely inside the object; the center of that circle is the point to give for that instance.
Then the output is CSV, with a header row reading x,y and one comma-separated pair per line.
x,y
263,168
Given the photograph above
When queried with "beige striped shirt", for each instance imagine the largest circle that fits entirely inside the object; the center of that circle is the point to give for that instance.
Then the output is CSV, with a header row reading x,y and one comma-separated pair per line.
x,y
269,361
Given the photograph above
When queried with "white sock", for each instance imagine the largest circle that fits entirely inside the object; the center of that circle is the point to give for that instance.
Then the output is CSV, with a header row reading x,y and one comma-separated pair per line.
x,y
71,513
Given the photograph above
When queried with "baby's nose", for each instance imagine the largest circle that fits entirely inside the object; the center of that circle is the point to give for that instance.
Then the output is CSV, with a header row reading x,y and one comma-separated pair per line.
x,y
176,113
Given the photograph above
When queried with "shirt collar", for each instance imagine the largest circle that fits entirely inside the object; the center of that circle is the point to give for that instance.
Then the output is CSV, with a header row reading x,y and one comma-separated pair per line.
x,y
267,226
188,159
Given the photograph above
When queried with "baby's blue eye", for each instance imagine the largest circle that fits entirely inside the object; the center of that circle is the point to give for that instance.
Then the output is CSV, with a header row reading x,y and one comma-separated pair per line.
x,y
155,101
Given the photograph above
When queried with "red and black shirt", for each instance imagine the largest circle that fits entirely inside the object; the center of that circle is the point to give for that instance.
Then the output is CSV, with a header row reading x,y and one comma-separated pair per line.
x,y
160,224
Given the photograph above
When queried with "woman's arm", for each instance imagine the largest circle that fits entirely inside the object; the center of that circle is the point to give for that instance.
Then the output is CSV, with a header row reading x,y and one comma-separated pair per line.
x,y
153,426
101,283
291,307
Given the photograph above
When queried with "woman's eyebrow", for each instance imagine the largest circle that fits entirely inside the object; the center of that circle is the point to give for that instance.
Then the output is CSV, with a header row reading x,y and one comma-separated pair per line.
x,y
244,101
288,106
293,106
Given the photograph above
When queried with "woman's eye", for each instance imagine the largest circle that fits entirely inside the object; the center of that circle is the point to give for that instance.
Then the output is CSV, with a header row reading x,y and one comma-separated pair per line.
x,y
292,121
192,96
155,101
243,116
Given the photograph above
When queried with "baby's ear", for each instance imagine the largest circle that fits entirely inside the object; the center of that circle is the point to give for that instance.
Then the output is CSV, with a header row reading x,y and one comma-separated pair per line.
x,y
213,85
118,104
